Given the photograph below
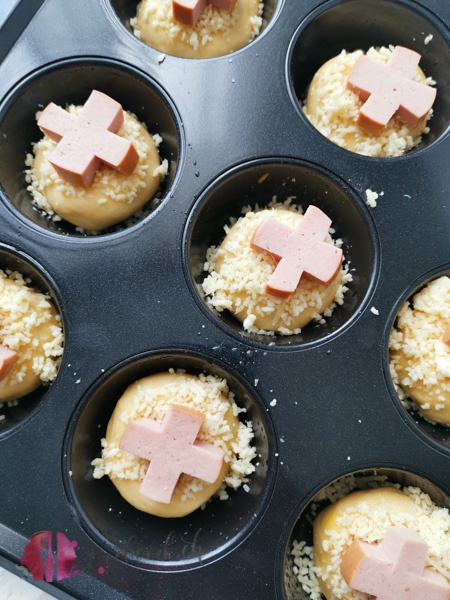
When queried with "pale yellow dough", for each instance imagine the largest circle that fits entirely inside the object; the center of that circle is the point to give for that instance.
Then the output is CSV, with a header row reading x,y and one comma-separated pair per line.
x,y
216,33
112,198
381,501
367,515
31,326
239,274
129,488
419,358
333,110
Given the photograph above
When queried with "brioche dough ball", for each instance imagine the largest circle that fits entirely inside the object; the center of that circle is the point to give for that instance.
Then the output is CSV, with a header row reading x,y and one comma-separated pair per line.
x,y
334,110
217,32
328,525
419,358
31,327
113,196
238,276
150,397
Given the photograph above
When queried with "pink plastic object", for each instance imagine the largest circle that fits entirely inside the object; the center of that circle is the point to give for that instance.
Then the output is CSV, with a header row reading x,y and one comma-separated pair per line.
x,y
172,449
38,557
388,89
446,335
7,360
188,12
86,141
394,569
301,251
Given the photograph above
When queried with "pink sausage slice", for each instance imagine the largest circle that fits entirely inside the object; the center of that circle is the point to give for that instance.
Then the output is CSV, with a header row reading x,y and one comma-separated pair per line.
x,y
301,251
388,89
188,12
86,141
394,569
7,360
446,335
172,449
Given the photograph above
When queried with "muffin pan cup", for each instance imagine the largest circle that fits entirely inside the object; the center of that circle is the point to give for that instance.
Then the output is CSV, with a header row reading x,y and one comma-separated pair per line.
x,y
127,297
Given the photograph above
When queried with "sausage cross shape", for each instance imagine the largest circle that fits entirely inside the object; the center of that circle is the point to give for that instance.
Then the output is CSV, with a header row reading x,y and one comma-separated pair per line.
x,y
388,89
394,568
446,335
7,360
84,142
172,449
188,11
300,251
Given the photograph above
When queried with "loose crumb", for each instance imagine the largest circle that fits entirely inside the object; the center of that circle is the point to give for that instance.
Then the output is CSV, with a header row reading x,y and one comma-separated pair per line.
x,y
372,197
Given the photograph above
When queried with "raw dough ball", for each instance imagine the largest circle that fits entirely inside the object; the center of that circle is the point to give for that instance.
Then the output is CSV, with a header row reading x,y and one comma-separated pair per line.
x,y
367,515
328,524
29,325
217,32
112,197
150,397
419,358
334,110
238,276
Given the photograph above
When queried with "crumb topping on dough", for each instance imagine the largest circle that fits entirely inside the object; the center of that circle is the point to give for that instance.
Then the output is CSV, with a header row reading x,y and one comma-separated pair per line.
x,y
207,394
337,112
116,186
240,284
430,521
23,312
213,21
417,339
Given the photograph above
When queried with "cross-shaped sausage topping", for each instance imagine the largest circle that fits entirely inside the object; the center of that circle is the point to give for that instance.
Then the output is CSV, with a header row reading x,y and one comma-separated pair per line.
x,y
188,11
84,142
301,251
172,449
388,89
394,569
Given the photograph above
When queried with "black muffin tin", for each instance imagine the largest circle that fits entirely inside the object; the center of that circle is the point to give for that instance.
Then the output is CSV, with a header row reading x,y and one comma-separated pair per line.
x,y
131,303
